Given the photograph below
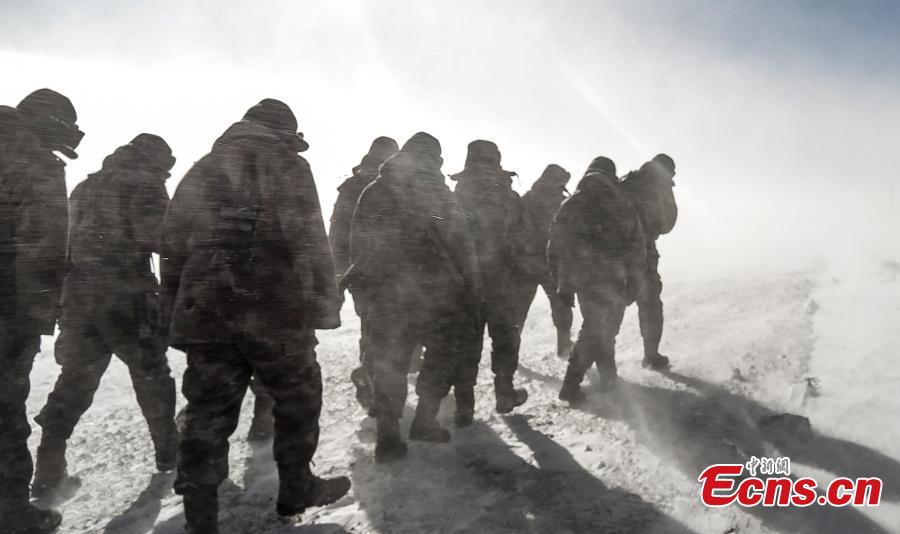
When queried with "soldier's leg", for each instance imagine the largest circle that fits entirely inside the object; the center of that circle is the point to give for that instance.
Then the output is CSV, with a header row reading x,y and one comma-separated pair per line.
x,y
362,375
16,359
154,389
583,354
459,350
84,357
392,336
562,320
650,307
525,293
215,381
505,335
263,424
611,312
453,341
292,377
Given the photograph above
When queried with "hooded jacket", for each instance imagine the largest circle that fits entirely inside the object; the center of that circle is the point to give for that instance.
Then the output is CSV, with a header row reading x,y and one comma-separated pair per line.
x,y
596,240
244,251
408,227
116,217
653,198
501,228
33,227
543,201
348,196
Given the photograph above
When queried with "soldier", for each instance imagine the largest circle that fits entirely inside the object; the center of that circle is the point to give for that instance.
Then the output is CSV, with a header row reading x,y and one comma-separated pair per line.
x,y
504,246
339,235
410,247
542,203
596,248
650,191
247,277
110,306
33,222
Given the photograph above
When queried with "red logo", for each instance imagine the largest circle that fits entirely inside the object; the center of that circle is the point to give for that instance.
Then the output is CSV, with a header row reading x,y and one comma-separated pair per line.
x,y
725,484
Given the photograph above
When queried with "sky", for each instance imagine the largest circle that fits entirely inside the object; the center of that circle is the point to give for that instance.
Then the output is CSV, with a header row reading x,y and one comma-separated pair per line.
x,y
782,116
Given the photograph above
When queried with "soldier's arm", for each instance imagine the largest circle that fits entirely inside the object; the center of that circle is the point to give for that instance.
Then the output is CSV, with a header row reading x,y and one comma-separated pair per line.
x,y
42,244
147,210
339,231
300,217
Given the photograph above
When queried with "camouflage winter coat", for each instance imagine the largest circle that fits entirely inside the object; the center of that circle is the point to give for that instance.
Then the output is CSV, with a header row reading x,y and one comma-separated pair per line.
x,y
244,250
408,227
116,217
33,224
501,227
654,201
596,241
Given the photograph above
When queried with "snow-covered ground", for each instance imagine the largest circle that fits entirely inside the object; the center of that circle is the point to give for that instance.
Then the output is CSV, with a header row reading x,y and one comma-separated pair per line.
x,y
627,461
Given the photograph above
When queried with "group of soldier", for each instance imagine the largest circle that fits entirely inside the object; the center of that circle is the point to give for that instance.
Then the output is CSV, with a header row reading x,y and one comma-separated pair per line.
x,y
248,273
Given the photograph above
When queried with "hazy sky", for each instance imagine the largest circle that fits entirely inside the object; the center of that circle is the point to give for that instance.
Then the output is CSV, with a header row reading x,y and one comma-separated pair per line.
x,y
782,116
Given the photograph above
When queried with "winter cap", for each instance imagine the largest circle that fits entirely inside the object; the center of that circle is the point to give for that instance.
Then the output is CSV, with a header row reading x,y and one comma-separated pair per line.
x,y
602,165
664,161
277,116
383,147
423,144
156,153
52,116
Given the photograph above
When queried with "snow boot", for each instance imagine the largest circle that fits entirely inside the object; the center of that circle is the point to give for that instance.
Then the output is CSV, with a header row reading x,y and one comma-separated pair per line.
x,y
609,376
655,362
508,397
564,343
201,510
365,392
262,427
389,445
424,425
51,479
165,445
296,494
25,518
571,389
465,407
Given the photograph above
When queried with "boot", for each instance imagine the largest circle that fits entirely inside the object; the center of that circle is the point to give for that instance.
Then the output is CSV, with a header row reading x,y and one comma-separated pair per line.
x,y
609,376
508,397
296,494
424,426
365,394
465,407
262,427
655,362
51,479
165,445
201,511
564,343
389,446
571,389
25,518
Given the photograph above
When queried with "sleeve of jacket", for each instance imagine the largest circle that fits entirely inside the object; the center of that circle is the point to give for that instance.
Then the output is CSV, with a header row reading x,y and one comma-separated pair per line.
x,y
177,230
339,231
531,256
367,231
557,244
147,210
300,217
41,247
